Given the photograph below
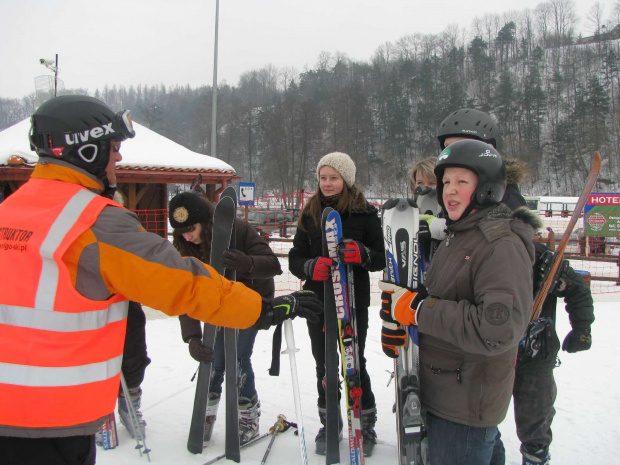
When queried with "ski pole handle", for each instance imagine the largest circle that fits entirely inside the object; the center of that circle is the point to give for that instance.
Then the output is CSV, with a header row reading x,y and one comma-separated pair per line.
x,y
279,426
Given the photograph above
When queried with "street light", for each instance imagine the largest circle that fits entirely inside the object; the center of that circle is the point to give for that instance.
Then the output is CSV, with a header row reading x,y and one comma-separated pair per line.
x,y
214,103
53,66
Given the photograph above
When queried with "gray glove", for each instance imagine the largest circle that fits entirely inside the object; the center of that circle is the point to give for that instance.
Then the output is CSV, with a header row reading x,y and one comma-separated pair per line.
x,y
199,352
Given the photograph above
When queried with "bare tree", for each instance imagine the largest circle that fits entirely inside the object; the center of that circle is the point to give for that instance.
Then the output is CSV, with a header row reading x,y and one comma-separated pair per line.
x,y
385,56
449,38
542,15
408,47
614,19
595,18
325,61
526,30
564,20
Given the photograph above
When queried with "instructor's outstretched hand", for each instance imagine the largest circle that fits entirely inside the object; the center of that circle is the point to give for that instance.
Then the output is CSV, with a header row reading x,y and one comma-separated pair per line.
x,y
285,307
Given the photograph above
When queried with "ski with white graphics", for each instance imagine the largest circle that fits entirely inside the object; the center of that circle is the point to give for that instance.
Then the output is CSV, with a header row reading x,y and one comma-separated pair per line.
x,y
342,285
400,222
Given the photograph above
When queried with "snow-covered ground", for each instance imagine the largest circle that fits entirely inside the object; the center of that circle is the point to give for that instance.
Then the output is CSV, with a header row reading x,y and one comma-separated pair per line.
x,y
586,427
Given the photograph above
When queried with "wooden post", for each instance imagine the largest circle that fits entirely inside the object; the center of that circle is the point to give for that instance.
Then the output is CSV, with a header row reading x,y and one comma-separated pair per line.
x,y
551,240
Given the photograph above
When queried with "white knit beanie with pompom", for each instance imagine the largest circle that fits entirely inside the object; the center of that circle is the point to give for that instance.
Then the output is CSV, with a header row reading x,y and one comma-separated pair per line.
x,y
342,163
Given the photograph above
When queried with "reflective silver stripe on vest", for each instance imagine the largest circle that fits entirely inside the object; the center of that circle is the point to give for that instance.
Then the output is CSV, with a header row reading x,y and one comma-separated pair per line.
x,y
48,281
21,375
60,321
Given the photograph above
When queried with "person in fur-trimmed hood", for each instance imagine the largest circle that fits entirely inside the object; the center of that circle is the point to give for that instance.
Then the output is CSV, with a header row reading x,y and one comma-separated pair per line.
x,y
365,251
516,172
475,307
534,390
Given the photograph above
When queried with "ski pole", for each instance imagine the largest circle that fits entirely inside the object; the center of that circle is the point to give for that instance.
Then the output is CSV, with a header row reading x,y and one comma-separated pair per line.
x,y
290,350
249,443
140,440
278,427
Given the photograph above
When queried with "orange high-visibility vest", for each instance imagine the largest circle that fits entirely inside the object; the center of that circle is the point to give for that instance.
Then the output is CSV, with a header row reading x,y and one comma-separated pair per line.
x,y
60,352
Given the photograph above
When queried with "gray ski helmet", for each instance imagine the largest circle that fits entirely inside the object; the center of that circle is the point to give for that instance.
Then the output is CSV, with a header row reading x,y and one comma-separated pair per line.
x,y
470,123
482,159
78,130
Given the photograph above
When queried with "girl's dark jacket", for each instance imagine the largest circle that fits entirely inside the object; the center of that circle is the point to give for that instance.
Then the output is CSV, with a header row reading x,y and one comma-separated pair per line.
x,y
479,306
265,266
363,225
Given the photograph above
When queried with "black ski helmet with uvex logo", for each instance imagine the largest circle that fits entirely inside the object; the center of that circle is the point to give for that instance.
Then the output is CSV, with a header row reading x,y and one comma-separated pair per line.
x,y
469,123
482,159
78,129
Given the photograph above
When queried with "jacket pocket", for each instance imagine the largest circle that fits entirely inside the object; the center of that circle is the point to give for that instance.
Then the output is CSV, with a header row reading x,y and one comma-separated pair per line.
x,y
440,362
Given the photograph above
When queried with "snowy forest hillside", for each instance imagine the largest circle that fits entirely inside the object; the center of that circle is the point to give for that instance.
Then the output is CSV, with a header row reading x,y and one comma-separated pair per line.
x,y
553,92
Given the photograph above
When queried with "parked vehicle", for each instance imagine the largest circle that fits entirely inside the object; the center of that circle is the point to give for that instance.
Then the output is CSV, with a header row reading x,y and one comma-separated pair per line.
x,y
273,222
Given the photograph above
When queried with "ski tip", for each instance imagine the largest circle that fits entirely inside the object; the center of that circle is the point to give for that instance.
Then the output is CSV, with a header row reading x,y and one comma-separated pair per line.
x,y
390,203
400,203
597,160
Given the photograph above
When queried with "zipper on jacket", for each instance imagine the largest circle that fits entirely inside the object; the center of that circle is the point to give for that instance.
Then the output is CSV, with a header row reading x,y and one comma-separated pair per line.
x,y
439,371
450,236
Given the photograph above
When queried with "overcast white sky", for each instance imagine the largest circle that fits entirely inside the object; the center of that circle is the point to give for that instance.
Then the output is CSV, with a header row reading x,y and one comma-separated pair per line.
x,y
131,42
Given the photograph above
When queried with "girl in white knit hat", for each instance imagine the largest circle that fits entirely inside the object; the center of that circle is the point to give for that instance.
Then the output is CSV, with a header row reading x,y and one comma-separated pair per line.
x,y
365,251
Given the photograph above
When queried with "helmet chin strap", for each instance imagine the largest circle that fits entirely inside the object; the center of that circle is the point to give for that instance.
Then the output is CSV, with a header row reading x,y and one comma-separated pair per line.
x,y
466,212
108,191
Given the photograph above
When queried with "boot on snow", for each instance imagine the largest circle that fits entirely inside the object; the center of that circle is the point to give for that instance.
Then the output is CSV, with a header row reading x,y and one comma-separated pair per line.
x,y
369,418
249,414
123,411
213,402
539,456
320,440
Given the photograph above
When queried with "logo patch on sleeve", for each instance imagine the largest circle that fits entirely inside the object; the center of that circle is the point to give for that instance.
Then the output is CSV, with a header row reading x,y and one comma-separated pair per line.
x,y
497,314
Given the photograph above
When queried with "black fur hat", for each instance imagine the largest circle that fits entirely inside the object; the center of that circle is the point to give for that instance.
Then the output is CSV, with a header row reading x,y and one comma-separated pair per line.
x,y
186,209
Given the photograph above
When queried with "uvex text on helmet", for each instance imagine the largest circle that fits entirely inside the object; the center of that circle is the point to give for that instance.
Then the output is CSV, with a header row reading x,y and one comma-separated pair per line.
x,y
469,123
482,159
78,129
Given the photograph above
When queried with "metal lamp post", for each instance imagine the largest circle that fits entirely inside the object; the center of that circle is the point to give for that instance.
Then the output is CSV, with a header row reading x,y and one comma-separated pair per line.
x,y
214,105
49,64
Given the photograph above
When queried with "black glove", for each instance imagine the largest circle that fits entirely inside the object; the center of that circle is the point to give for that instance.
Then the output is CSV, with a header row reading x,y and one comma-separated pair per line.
x,y
393,336
199,352
353,252
302,303
237,260
319,269
577,340
424,232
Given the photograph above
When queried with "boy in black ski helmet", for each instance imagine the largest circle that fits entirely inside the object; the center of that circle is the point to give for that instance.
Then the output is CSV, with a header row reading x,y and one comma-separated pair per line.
x,y
468,123
534,389
474,308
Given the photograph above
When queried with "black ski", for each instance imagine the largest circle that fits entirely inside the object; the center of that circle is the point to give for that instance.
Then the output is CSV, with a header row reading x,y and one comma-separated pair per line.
x,y
223,220
230,346
551,272
331,382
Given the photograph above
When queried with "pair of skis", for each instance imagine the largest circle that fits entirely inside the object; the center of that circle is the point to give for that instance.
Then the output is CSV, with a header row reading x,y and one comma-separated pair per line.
x,y
400,220
341,327
224,236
